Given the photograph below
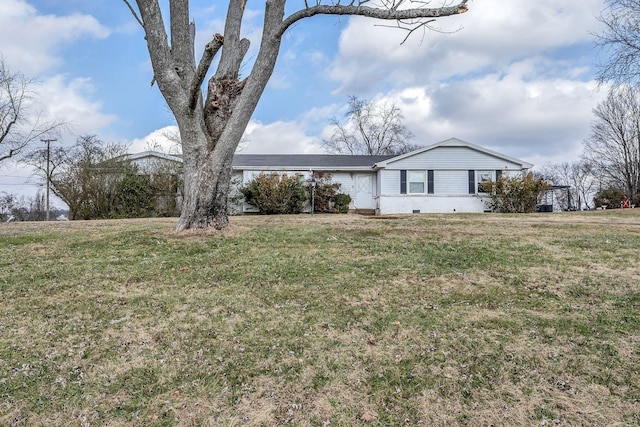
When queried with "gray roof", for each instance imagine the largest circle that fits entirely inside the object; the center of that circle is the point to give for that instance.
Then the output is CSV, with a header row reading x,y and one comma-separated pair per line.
x,y
306,161
284,161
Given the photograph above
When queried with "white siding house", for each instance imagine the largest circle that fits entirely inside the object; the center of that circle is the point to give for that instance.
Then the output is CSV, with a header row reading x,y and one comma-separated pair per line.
x,y
439,178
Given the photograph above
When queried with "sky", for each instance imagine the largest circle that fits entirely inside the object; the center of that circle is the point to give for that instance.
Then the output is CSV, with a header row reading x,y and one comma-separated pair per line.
x,y
513,76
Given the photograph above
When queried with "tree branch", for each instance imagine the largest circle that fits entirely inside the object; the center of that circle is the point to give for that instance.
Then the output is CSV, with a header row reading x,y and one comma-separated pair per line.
x,y
210,51
133,12
182,33
391,12
235,47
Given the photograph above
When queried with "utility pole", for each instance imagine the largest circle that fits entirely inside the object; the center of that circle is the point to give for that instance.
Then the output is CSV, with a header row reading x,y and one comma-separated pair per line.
x,y
48,141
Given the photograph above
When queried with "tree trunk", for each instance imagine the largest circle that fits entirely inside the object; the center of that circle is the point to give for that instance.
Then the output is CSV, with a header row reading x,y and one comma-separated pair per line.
x,y
205,193
207,174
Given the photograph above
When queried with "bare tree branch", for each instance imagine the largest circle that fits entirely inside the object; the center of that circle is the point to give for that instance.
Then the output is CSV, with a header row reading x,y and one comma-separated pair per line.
x,y
210,51
370,128
620,42
18,126
133,12
613,146
235,47
388,13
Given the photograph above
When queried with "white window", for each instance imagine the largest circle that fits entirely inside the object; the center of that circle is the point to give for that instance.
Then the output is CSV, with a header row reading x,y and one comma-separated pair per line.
x,y
416,182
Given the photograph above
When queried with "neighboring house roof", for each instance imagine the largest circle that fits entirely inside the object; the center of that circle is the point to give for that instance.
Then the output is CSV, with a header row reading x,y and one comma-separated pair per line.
x,y
305,161
453,142
156,154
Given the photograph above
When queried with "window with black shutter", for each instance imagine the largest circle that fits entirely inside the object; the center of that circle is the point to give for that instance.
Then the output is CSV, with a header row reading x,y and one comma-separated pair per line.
x,y
403,182
430,186
472,182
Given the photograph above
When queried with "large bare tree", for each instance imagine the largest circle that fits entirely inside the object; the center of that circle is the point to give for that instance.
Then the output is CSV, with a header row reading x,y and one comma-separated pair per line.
x,y
18,125
372,128
620,42
211,125
613,146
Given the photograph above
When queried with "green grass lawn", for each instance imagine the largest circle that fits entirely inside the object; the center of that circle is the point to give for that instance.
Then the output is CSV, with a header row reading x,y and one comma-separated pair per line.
x,y
326,320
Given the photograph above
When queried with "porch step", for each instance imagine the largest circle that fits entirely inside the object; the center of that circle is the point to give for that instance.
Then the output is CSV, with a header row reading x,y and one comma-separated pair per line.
x,y
368,212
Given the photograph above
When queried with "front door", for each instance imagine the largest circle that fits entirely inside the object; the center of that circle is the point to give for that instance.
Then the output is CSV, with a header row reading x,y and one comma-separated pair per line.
x,y
364,193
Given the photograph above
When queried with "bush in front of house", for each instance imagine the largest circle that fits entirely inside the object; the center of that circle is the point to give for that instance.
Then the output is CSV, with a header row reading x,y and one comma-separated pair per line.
x,y
342,202
514,194
325,192
276,194
134,197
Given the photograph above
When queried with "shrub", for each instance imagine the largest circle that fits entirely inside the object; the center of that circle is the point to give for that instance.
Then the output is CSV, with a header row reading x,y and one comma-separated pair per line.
x,y
276,194
342,202
514,194
609,197
135,197
325,193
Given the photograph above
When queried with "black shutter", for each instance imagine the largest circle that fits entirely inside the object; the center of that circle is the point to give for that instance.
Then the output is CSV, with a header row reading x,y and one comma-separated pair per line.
x,y
430,182
403,182
498,174
472,182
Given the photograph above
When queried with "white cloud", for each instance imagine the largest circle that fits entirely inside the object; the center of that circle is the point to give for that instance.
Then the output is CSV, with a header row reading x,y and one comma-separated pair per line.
x,y
162,140
493,34
61,99
279,138
516,77
259,138
30,41
538,121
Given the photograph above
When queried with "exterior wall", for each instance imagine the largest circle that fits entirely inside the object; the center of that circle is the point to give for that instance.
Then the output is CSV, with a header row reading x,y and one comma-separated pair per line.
x,y
349,185
389,181
346,181
460,158
445,182
451,182
395,204
555,198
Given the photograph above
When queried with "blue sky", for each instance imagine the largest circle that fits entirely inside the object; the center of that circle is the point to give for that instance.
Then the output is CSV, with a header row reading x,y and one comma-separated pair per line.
x,y
515,77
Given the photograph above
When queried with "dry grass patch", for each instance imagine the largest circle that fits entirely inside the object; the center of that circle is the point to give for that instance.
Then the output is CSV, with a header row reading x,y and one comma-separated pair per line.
x,y
323,320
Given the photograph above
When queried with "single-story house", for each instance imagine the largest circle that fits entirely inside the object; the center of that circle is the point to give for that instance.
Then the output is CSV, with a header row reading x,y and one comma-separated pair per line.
x,y
439,178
